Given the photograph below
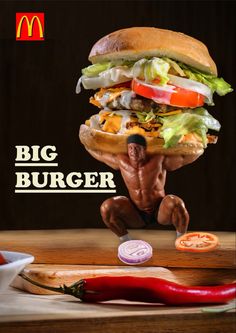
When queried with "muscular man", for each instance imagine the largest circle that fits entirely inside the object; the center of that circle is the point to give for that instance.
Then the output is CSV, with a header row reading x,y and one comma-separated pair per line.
x,y
145,176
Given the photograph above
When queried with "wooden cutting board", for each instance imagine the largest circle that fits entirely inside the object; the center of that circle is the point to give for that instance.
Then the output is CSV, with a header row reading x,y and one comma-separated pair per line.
x,y
21,312
99,247
68,255
56,275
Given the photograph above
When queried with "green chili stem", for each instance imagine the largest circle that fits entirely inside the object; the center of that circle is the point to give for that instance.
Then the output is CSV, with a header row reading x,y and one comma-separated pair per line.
x,y
38,284
76,289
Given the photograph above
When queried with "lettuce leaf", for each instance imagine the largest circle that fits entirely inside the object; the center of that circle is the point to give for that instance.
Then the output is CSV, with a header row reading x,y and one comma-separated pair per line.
x,y
156,68
151,69
145,117
96,69
216,84
175,66
145,69
193,121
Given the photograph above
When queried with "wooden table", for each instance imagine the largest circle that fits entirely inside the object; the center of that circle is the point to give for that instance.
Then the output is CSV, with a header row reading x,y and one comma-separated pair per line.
x,y
99,247
60,250
21,312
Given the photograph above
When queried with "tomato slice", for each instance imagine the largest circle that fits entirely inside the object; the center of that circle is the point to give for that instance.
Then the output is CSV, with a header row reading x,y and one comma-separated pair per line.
x,y
177,97
2,260
197,242
126,84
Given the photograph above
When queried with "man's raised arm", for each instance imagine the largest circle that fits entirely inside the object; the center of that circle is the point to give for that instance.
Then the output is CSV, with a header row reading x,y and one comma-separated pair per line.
x,y
110,159
174,162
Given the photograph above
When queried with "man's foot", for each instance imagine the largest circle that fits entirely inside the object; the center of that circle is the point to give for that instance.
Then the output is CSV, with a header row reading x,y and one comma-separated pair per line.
x,y
125,238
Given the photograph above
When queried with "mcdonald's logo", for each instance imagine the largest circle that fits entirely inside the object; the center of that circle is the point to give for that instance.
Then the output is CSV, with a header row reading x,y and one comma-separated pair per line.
x,y
29,26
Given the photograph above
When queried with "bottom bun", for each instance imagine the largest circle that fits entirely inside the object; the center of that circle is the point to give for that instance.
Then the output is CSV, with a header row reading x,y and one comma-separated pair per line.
x,y
117,143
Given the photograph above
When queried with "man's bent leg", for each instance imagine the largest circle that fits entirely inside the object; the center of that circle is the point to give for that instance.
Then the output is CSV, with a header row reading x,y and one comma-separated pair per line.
x,y
118,213
172,211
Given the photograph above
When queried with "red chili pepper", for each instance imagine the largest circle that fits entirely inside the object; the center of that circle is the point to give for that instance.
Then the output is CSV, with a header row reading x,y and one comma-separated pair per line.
x,y
153,290
144,289
2,260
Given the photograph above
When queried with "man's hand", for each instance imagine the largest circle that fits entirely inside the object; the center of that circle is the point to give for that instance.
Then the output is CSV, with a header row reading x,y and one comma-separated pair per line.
x,y
110,159
174,162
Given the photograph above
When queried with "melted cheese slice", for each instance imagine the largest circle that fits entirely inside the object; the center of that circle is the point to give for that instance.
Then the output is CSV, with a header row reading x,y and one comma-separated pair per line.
x,y
116,122
141,131
191,138
112,122
106,95
170,113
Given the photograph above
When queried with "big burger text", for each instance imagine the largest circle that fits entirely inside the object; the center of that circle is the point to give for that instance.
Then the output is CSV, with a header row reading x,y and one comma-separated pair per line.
x,y
35,154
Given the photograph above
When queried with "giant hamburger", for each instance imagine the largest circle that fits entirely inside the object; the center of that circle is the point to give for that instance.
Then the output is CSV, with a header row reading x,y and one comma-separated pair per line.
x,y
152,82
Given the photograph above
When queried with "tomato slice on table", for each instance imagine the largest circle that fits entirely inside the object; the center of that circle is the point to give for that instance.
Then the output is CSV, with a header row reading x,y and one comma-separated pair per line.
x,y
197,242
2,260
177,97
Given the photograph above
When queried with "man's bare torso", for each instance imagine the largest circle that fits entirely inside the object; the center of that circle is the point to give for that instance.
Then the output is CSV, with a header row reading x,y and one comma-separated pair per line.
x,y
145,183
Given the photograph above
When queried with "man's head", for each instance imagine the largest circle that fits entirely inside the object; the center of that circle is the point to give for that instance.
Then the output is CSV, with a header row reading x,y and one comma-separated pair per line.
x,y
137,148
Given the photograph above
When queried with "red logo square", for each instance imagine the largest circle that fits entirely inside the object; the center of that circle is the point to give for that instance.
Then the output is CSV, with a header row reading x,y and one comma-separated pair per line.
x,y
29,26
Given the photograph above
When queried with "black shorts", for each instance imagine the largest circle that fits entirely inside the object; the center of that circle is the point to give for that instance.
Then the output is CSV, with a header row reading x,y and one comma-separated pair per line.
x,y
148,218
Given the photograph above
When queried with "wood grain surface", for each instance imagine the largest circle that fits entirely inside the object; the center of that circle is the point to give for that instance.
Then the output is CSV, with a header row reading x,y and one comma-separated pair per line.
x,y
22,313
56,275
99,247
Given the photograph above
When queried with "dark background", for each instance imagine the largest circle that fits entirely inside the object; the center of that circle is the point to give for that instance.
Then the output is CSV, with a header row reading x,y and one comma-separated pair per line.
x,y
39,107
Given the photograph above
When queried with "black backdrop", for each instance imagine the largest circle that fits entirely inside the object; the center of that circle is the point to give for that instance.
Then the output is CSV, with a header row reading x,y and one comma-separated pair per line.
x,y
39,106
